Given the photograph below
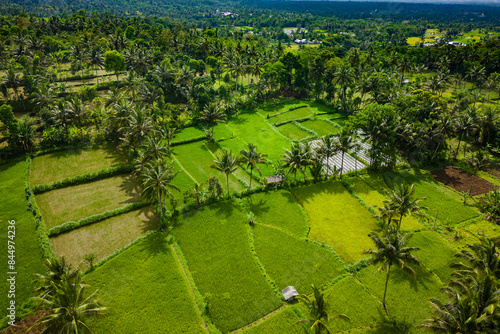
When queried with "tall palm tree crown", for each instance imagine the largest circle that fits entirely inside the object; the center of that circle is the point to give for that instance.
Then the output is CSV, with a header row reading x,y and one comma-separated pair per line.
x,y
251,157
226,163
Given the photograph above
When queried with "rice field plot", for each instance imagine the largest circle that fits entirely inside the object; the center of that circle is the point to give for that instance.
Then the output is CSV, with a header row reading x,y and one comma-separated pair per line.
x,y
337,219
293,132
279,323
431,244
197,160
321,127
348,297
291,115
77,202
292,261
222,131
48,168
278,208
407,298
105,237
215,243
28,255
450,208
145,292
283,104
484,227
188,133
252,128
376,200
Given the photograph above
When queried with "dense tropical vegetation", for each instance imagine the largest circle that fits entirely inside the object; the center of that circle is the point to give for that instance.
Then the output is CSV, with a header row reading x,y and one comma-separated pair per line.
x,y
253,145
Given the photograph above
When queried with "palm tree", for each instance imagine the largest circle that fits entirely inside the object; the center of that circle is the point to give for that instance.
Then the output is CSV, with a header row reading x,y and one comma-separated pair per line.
x,y
295,160
464,127
251,157
226,163
401,202
157,179
79,55
343,76
154,149
478,161
43,96
327,148
212,115
56,269
344,142
138,125
96,59
317,307
68,306
12,80
168,132
392,250
482,256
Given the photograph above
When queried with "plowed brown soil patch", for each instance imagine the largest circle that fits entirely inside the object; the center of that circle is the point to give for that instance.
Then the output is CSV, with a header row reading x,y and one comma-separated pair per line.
x,y
27,323
460,180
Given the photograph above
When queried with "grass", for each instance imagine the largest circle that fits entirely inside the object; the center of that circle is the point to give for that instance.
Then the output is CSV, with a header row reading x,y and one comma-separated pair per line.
x,y
348,297
450,209
279,323
277,106
188,133
76,202
252,128
291,115
337,219
145,292
321,127
215,243
104,238
484,227
292,261
28,255
430,244
291,131
375,199
48,168
407,298
197,160
222,131
278,208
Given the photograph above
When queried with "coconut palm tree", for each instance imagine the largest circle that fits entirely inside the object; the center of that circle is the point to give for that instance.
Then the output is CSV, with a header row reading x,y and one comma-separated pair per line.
x,y
56,269
43,96
391,250
344,142
343,76
69,307
317,306
79,55
296,159
327,148
96,59
482,256
226,163
157,179
464,127
12,80
212,114
251,157
137,126
478,161
402,203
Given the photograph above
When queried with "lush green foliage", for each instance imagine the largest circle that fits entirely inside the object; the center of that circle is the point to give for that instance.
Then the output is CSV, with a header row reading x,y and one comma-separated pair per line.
x,y
292,261
222,266
76,202
155,288
278,208
337,219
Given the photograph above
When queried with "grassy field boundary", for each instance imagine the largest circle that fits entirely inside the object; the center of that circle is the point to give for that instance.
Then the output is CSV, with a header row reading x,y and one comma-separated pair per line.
x,y
82,179
188,141
43,234
312,133
201,304
70,225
